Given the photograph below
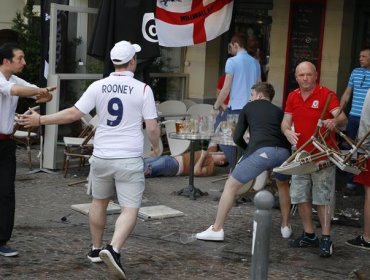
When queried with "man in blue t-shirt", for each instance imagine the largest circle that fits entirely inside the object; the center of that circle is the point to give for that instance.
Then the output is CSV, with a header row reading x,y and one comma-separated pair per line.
x,y
358,85
242,72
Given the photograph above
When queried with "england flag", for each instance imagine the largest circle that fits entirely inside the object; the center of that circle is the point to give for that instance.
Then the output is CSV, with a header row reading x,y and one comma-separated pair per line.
x,y
188,22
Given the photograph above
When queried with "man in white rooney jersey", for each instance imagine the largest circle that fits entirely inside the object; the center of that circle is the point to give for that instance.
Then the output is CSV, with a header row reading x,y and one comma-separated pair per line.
x,y
121,102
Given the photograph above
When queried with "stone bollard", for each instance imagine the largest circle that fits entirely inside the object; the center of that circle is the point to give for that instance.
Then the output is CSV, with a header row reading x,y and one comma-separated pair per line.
x,y
264,201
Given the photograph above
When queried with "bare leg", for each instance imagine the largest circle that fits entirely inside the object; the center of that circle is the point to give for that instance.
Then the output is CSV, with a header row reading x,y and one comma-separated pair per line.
x,y
305,212
324,212
284,200
124,226
97,218
231,188
367,214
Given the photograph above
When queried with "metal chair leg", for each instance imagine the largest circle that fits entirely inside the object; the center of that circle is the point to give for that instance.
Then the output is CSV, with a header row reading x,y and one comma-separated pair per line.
x,y
29,153
66,165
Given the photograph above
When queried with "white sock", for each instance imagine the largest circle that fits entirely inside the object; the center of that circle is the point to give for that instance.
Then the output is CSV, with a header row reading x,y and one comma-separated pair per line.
x,y
95,248
116,250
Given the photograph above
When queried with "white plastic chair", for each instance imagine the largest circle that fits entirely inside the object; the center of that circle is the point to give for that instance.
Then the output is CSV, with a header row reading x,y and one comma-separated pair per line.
x,y
188,103
172,107
148,147
200,110
177,147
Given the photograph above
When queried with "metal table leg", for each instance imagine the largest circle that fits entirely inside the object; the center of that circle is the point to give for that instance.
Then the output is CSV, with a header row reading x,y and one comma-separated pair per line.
x,y
190,190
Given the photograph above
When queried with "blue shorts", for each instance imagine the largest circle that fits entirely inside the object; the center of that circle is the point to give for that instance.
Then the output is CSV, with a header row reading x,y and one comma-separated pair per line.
x,y
250,166
160,166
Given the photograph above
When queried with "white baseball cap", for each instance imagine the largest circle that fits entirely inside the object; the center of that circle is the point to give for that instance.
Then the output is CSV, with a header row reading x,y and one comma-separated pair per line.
x,y
123,52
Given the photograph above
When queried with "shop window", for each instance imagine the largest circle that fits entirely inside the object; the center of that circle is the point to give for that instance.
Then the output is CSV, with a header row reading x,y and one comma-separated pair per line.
x,y
166,75
255,23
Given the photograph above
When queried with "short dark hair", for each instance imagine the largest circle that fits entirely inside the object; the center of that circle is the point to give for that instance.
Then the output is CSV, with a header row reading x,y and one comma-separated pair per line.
x,y
119,63
124,65
239,38
365,48
266,89
7,51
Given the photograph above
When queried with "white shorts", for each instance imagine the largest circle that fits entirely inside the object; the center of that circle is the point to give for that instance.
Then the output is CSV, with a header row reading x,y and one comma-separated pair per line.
x,y
125,176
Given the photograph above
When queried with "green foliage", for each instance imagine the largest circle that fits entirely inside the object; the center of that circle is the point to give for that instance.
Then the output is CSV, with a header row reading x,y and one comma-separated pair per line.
x,y
28,27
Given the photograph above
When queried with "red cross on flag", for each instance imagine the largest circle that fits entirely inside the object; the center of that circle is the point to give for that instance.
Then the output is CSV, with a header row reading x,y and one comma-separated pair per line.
x,y
182,23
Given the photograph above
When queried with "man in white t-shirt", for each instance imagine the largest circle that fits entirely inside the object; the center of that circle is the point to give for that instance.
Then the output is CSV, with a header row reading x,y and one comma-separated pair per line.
x,y
12,62
121,102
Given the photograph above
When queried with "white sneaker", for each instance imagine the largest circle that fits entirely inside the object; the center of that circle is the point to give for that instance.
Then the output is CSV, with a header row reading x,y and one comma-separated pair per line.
x,y
286,231
211,235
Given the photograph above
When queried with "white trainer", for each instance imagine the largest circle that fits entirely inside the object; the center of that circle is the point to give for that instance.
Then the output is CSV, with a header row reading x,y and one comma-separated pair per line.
x,y
211,235
286,231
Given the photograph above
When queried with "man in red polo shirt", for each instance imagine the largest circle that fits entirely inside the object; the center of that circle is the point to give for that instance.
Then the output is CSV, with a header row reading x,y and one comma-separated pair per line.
x,y
303,109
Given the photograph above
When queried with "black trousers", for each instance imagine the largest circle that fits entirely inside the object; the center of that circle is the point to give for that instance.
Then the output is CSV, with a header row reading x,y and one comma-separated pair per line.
x,y
7,189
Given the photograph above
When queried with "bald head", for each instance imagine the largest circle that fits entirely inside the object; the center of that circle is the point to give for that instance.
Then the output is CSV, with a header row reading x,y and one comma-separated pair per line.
x,y
306,76
305,65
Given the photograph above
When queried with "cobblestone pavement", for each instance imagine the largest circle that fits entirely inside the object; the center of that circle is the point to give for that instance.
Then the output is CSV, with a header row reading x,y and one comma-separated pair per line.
x,y
52,249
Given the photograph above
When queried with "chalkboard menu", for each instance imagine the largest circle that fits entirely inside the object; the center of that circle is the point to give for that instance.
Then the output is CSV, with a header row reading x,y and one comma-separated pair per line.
x,y
305,35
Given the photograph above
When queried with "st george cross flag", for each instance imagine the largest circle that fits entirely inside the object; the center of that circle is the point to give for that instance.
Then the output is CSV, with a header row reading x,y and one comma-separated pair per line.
x,y
188,22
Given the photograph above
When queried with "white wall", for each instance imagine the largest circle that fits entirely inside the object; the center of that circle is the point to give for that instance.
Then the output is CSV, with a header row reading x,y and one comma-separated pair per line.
x,y
195,58
202,64
278,45
8,11
331,44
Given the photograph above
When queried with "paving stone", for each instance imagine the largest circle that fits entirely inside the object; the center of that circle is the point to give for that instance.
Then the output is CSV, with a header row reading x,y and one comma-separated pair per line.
x,y
51,248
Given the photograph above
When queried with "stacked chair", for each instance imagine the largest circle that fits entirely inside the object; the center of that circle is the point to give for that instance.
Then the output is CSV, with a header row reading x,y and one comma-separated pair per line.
x,y
80,147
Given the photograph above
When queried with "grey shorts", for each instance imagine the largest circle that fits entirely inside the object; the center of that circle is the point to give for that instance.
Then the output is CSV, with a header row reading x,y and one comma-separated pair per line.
x,y
317,187
125,176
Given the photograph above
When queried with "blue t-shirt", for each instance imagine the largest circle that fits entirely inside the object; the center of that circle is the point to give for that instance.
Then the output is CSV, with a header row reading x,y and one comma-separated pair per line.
x,y
246,71
359,81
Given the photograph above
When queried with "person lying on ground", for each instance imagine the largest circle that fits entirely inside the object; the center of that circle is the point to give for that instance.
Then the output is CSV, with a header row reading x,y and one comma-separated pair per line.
x,y
166,165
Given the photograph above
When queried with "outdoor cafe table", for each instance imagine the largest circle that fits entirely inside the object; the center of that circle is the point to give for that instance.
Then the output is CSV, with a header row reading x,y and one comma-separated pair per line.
x,y
190,190
162,117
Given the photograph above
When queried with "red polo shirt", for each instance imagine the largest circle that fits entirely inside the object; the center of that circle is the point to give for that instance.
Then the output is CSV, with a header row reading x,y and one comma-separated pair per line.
x,y
306,113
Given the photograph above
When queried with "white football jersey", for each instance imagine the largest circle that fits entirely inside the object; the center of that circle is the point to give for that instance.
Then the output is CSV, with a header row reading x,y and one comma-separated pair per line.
x,y
122,103
8,103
